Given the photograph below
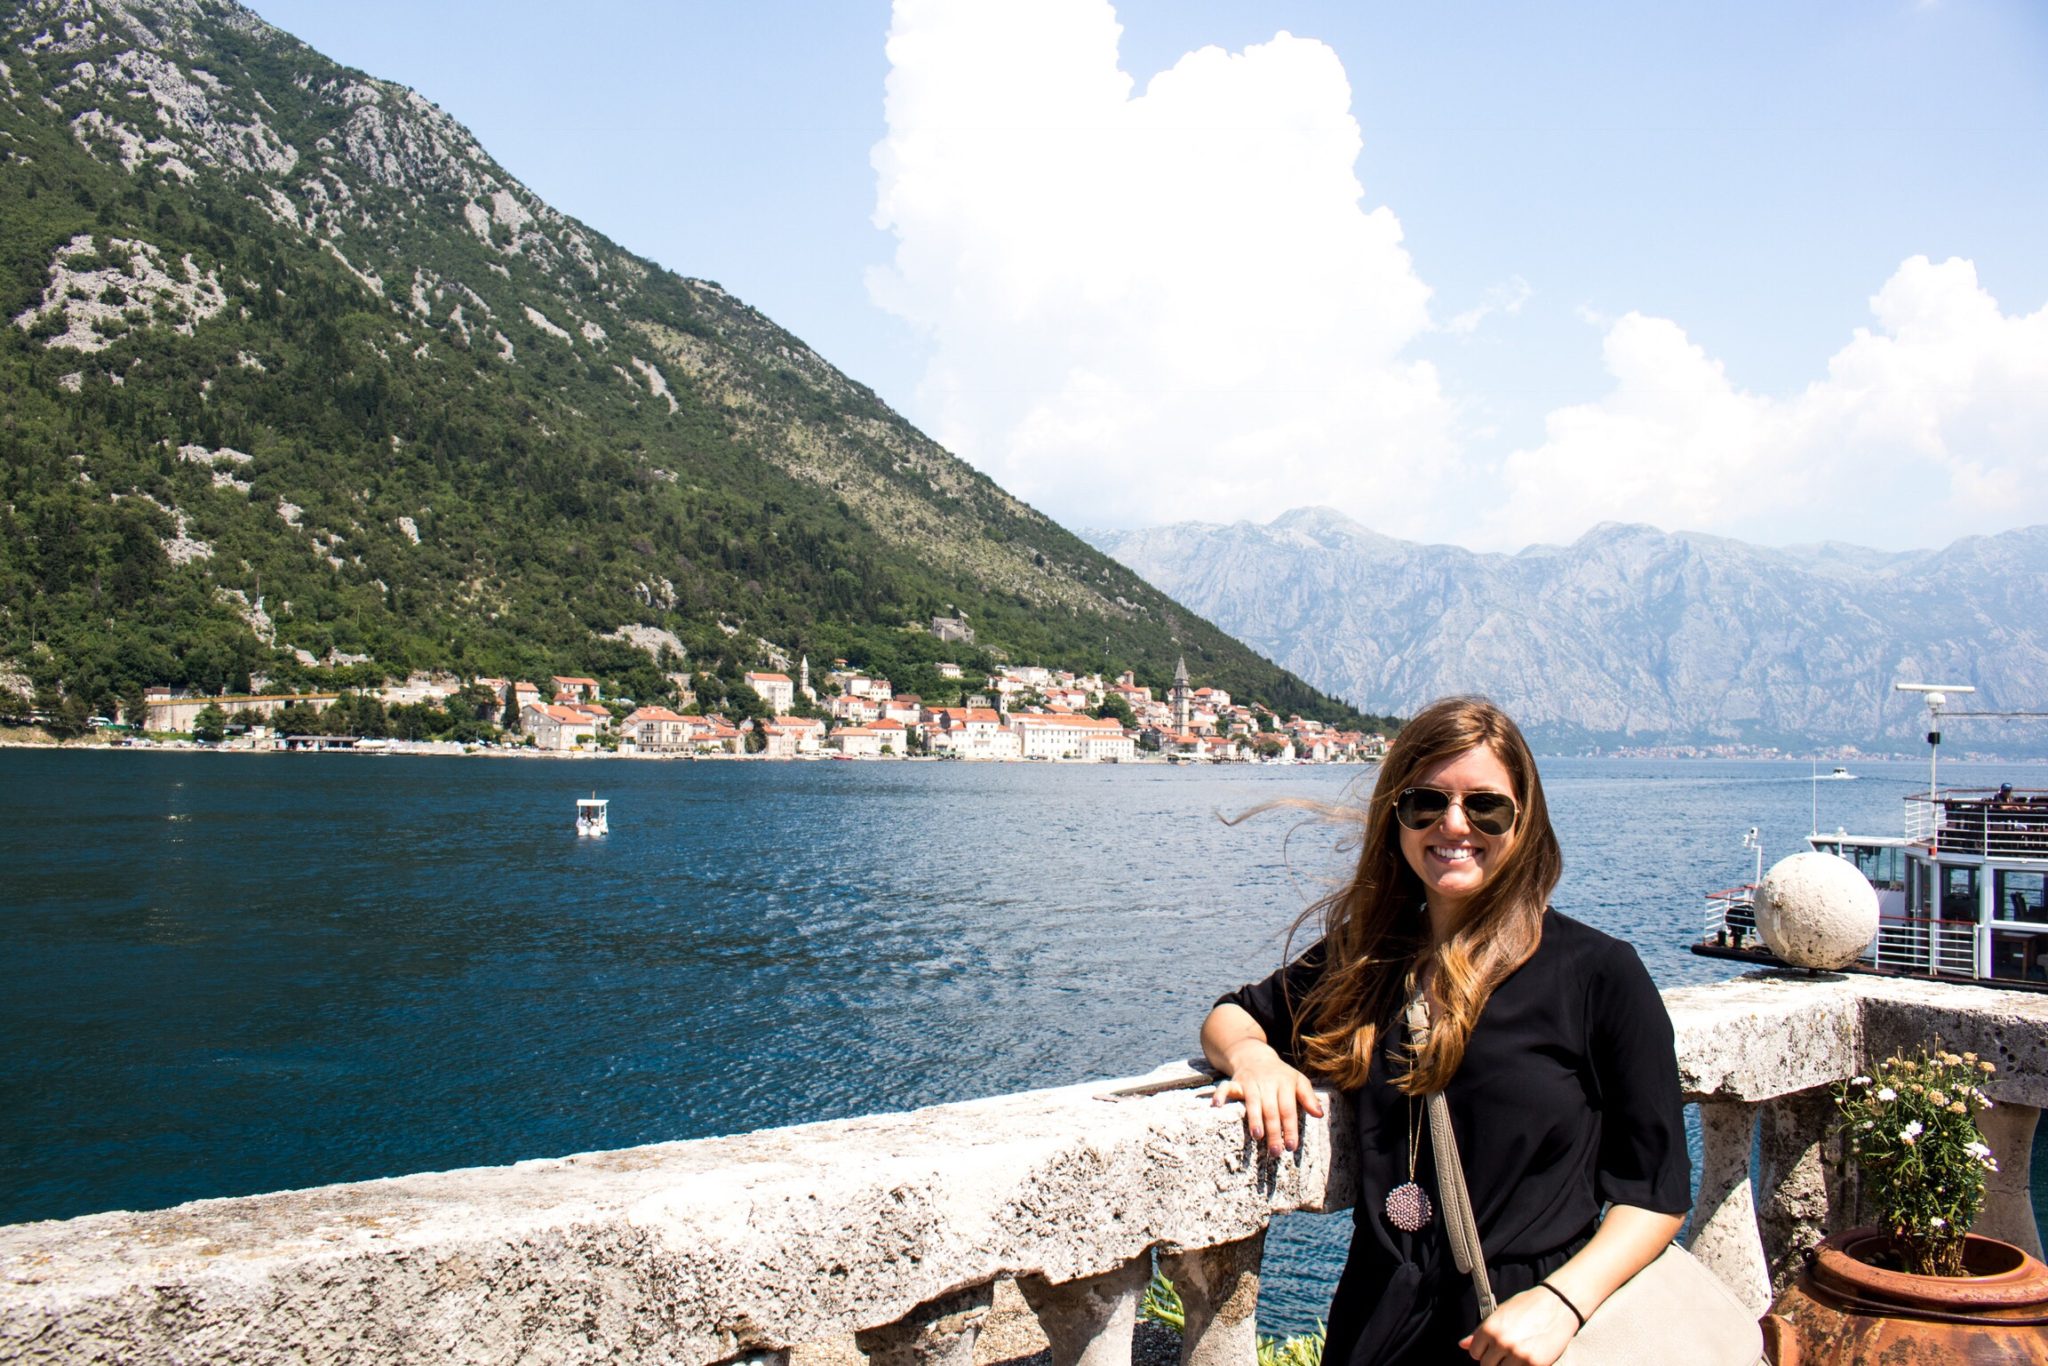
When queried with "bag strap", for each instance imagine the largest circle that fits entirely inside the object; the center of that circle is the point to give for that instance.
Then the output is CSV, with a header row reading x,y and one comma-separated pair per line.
x,y
1450,1177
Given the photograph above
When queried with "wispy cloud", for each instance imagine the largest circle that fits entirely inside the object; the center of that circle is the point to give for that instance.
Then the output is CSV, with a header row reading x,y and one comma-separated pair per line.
x,y
1507,298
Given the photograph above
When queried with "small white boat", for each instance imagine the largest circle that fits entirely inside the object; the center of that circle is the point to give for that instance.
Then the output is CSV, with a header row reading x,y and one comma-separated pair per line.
x,y
591,819
1838,775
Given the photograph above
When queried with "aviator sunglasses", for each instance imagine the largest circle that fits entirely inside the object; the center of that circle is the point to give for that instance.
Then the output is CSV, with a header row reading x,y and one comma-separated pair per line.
x,y
1490,813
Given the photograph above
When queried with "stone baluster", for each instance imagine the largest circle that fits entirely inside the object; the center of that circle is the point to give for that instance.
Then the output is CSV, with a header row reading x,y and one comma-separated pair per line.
x,y
1089,1322
1219,1290
939,1332
1724,1232
1799,1182
2008,1130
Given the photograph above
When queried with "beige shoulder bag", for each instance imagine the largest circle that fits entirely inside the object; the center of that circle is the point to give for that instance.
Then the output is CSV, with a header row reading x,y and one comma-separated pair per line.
x,y
1674,1300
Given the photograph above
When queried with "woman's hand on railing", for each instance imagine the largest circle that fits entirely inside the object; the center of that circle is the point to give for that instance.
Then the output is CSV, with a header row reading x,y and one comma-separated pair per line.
x,y
1275,1095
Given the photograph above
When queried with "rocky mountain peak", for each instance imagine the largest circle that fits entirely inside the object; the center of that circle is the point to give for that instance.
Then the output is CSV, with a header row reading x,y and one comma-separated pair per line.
x,y
1630,634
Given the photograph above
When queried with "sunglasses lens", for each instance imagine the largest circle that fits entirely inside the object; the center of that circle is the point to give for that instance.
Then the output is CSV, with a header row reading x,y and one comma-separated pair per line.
x,y
1418,808
1490,812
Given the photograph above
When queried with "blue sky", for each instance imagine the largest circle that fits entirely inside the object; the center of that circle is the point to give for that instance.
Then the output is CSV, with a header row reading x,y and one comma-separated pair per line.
x,y
1600,261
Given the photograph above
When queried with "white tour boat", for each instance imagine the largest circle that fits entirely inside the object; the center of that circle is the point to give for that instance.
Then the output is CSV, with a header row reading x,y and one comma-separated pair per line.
x,y
1962,894
591,819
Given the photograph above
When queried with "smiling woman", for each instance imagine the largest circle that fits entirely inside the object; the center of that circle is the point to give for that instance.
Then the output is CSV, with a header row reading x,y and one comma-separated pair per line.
x,y
1545,1037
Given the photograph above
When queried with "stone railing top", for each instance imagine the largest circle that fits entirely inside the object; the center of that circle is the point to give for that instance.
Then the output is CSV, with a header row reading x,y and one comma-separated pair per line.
x,y
1774,1033
704,1250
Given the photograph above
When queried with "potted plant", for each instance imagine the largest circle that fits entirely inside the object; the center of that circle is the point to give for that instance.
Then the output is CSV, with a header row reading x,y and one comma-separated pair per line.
x,y
1918,1286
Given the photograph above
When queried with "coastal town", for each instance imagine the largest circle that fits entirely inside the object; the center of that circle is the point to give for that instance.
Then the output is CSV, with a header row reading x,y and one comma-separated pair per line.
x,y
1021,713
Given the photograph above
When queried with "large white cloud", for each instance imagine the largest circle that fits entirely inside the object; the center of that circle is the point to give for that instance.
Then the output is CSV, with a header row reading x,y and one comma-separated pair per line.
x,y
1931,424
1147,307
1175,304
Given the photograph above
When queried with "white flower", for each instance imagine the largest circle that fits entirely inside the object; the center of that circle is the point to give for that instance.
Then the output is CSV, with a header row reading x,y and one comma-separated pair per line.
x,y
1977,1150
1868,1124
1859,1081
1886,1093
1911,1131
1938,1221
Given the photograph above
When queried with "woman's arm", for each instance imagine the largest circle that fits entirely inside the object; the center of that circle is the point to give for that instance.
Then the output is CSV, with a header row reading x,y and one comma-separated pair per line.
x,y
1534,1327
1274,1094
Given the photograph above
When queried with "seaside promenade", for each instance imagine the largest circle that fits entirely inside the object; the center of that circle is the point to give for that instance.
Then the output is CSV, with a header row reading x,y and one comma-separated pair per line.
x,y
893,1235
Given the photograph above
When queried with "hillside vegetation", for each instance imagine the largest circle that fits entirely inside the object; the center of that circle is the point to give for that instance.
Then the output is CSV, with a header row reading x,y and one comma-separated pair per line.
x,y
300,387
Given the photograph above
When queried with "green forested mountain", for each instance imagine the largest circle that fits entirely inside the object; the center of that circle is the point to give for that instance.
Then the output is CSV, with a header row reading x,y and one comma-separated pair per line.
x,y
300,384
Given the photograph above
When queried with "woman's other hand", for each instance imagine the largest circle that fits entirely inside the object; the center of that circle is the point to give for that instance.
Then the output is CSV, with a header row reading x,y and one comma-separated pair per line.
x,y
1275,1095
1531,1329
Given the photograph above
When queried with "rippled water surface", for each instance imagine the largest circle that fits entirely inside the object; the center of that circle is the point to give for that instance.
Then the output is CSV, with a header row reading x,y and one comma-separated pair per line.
x,y
234,973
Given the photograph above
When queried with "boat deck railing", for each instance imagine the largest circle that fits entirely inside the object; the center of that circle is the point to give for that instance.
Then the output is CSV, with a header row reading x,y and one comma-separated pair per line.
x,y
1987,821
1730,911
1912,943
1917,944
891,1236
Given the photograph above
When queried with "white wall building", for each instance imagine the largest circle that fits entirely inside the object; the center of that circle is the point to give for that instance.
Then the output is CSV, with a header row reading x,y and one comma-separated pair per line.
x,y
774,689
1060,735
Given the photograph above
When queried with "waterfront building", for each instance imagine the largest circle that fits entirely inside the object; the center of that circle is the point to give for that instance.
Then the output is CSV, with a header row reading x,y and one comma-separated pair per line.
x,y
572,689
656,730
557,728
714,735
1067,735
894,735
856,742
789,736
970,733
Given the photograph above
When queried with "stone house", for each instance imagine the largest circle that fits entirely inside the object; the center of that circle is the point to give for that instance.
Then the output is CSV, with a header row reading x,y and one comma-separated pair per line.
x,y
557,728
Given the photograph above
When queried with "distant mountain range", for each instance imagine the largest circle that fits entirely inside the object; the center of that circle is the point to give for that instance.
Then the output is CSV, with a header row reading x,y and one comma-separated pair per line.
x,y
297,382
1631,635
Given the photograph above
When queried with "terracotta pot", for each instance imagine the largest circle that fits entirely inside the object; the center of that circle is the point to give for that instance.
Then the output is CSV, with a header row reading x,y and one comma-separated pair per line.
x,y
1843,1309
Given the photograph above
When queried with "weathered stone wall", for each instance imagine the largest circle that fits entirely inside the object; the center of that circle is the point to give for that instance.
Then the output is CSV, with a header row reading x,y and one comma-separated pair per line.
x,y
702,1251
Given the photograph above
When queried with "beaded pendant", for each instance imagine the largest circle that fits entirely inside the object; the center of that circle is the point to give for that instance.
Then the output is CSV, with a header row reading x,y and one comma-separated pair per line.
x,y
1408,1207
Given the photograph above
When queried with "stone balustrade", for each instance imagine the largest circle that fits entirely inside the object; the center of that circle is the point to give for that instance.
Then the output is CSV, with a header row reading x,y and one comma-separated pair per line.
x,y
886,1234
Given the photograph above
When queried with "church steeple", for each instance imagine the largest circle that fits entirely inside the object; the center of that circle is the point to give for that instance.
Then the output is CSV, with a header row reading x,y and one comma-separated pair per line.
x,y
1181,695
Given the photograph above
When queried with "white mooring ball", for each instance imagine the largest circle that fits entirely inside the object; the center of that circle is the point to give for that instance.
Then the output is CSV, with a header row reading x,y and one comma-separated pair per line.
x,y
1815,910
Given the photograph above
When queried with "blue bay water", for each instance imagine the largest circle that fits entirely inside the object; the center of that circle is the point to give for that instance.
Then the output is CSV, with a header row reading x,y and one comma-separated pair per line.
x,y
230,973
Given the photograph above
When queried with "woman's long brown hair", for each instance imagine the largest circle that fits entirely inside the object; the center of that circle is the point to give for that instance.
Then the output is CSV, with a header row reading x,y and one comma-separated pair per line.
x,y
1376,927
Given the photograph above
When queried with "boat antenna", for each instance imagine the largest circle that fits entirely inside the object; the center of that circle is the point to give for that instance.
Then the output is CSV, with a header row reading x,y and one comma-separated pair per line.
x,y
1937,698
1753,841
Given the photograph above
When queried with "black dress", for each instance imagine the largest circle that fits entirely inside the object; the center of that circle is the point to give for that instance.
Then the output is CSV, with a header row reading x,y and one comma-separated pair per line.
x,y
1567,1100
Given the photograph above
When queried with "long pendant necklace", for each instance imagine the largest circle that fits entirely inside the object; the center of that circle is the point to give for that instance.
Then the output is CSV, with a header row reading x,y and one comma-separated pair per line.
x,y
1408,1206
